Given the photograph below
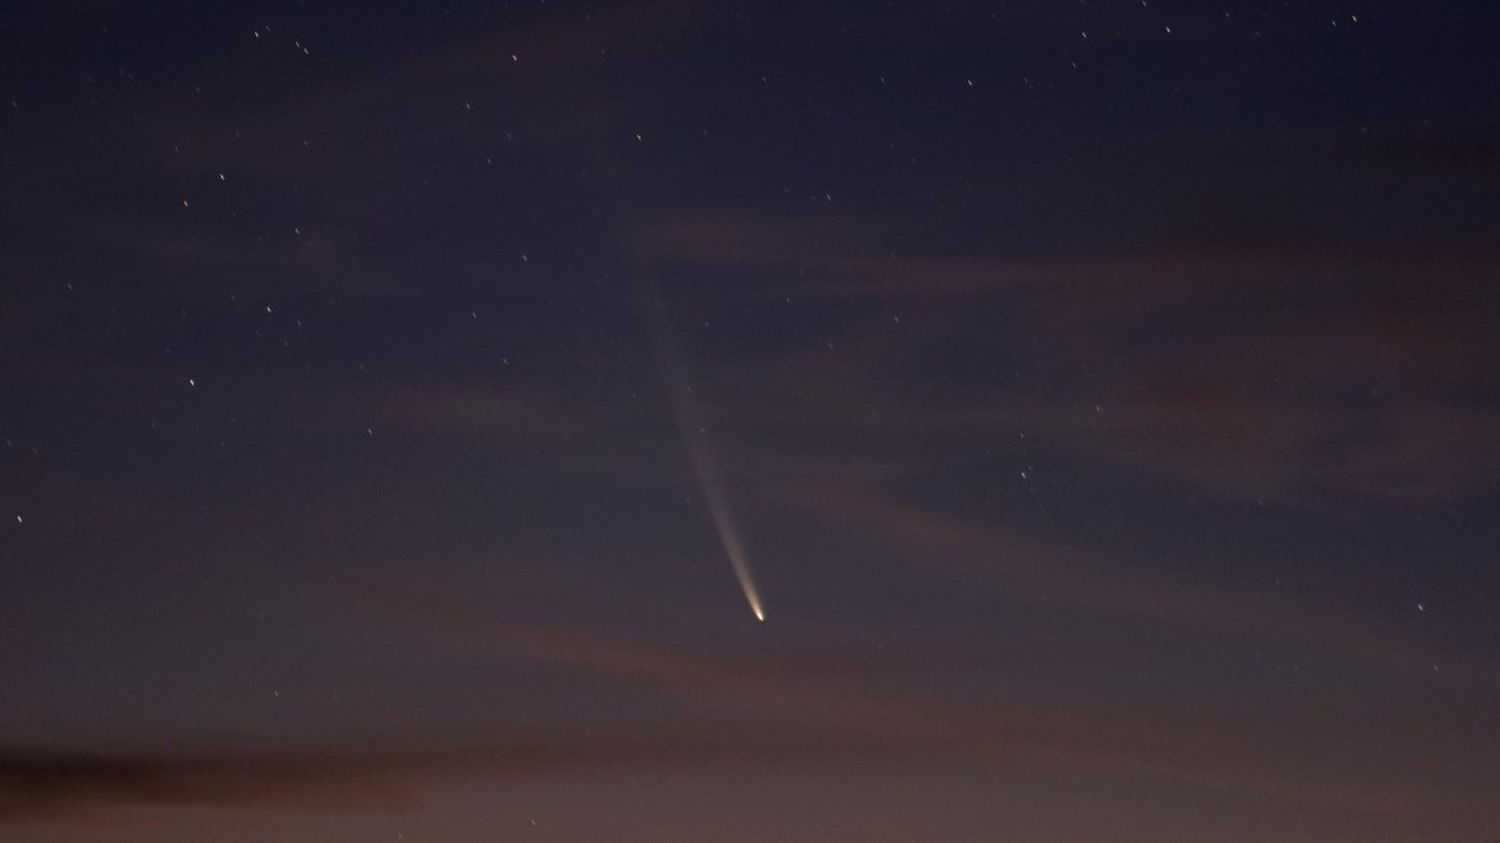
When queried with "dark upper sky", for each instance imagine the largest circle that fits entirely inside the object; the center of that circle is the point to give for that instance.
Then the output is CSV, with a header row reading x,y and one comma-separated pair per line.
x,y
1104,393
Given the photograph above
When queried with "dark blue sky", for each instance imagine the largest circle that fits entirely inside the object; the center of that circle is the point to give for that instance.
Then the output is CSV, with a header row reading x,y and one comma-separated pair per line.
x,y
1104,392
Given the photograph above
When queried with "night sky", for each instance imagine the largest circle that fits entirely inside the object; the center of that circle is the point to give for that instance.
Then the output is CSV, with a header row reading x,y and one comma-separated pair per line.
x,y
405,408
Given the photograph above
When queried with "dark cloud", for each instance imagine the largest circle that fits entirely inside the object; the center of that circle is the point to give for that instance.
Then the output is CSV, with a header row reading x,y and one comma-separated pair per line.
x,y
55,786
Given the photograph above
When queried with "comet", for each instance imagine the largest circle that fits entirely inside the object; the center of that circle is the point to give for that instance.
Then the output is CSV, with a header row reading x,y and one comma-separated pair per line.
x,y
711,482
699,448
679,390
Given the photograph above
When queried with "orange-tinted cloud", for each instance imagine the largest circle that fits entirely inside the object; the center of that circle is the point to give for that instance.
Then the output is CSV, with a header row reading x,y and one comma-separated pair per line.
x,y
1263,410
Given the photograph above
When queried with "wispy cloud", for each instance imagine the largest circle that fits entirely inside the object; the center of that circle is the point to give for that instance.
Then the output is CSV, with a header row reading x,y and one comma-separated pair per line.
x,y
1335,381
1047,570
1263,755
